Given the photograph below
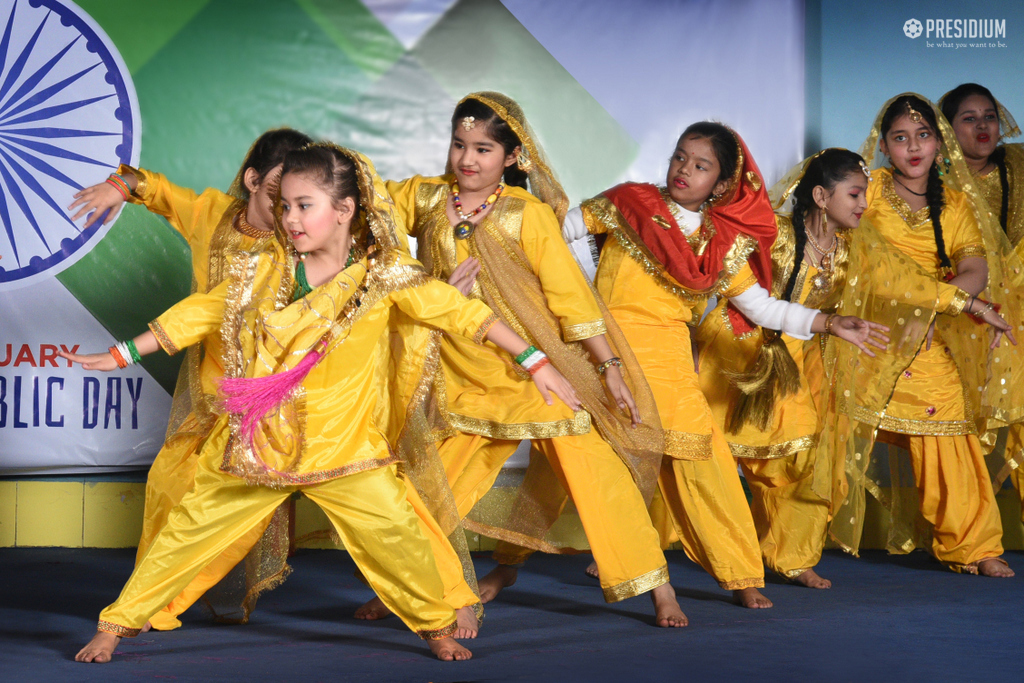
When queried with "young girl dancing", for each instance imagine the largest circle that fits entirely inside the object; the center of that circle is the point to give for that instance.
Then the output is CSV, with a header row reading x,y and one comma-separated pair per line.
x,y
479,227
982,125
667,251
818,235
213,224
934,398
305,329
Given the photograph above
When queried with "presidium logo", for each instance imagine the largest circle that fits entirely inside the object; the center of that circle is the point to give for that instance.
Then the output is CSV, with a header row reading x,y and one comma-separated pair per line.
x,y
958,33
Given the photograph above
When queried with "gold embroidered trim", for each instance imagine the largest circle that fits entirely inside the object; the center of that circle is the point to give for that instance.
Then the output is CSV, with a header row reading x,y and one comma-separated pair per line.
x,y
637,586
579,424
960,299
970,251
117,629
580,331
900,425
141,185
282,479
743,285
777,450
914,219
485,327
161,336
439,633
687,446
793,573
740,584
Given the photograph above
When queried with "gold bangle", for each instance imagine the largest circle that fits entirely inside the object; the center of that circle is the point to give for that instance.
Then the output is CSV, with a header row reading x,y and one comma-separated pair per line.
x,y
828,322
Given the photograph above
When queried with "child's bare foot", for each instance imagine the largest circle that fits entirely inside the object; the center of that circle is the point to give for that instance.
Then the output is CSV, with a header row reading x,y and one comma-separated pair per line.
x,y
592,572
667,613
146,628
447,650
995,566
810,578
99,649
373,610
499,578
751,598
468,624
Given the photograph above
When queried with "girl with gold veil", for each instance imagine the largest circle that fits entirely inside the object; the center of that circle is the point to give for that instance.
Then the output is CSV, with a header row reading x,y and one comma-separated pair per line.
x,y
479,227
939,393
818,210
982,124
306,327
666,252
213,224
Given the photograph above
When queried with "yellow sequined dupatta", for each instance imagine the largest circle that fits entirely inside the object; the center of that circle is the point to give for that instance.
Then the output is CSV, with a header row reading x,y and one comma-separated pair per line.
x,y
895,292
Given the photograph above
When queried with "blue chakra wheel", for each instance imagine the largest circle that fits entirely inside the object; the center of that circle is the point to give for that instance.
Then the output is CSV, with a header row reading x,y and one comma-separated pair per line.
x,y
68,117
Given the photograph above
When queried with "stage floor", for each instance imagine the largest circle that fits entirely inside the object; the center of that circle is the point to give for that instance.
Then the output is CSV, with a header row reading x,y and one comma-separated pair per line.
x,y
886,618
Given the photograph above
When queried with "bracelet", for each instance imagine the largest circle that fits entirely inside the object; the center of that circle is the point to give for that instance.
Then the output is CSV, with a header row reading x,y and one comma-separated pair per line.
x,y
614,360
120,184
134,351
526,354
533,359
533,369
828,322
118,358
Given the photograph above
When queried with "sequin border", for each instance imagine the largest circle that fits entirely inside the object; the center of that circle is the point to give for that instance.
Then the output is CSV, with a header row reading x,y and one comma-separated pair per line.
x,y
638,586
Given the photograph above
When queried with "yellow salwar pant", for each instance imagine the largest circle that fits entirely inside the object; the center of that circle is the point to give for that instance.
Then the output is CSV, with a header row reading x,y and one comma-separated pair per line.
x,y
611,509
170,477
956,497
370,511
703,503
791,521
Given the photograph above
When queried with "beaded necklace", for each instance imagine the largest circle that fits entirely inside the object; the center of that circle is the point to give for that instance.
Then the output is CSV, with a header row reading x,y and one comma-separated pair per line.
x,y
464,228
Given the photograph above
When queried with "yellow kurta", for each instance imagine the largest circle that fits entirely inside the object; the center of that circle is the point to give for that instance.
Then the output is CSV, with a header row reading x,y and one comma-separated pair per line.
x,y
206,222
324,441
483,392
928,406
493,405
701,503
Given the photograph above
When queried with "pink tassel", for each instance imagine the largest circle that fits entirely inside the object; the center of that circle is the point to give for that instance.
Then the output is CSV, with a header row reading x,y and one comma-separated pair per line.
x,y
255,397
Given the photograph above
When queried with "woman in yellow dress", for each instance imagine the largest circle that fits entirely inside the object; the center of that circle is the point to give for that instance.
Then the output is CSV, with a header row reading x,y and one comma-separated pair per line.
x,y
817,232
666,252
935,393
213,224
982,125
307,345
479,227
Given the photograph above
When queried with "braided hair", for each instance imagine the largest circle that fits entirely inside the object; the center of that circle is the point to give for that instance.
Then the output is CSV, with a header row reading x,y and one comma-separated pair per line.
x,y
951,107
828,169
935,191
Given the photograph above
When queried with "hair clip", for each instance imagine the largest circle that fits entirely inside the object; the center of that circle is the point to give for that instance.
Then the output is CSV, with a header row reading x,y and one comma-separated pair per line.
x,y
914,114
469,122
864,168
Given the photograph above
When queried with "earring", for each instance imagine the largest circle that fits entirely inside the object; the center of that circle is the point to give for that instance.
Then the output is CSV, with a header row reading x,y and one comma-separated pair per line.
x,y
523,162
824,219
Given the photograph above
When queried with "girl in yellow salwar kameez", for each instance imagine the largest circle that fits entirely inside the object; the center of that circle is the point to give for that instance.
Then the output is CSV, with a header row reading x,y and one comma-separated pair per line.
x,y
982,125
302,392
502,244
810,259
667,251
936,391
213,224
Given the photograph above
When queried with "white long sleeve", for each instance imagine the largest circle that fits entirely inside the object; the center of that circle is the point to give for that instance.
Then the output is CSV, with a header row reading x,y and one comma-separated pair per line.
x,y
765,310
574,228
